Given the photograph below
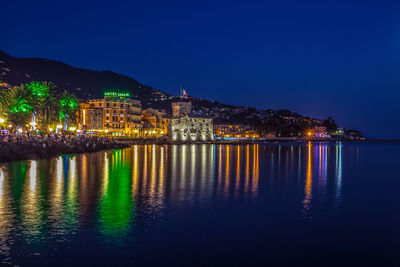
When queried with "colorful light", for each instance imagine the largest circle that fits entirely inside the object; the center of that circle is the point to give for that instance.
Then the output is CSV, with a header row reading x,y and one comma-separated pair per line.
x,y
117,94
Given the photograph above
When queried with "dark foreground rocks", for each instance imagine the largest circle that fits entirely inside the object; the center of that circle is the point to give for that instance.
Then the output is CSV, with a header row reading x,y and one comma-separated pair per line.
x,y
33,150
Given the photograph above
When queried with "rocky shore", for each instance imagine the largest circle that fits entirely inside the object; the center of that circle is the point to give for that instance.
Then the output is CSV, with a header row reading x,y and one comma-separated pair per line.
x,y
10,151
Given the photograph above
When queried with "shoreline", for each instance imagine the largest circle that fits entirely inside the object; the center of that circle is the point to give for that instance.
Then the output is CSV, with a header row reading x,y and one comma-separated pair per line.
x,y
27,151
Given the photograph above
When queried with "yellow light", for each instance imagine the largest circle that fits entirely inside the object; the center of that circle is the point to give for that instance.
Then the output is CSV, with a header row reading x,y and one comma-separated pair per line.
x,y
59,126
1,120
9,126
161,132
72,129
51,129
78,131
106,131
154,132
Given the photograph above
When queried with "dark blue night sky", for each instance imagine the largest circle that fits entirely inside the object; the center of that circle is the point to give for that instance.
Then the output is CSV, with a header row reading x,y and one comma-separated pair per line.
x,y
318,58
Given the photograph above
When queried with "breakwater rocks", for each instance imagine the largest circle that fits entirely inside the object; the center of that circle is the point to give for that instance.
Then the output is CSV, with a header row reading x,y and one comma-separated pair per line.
x,y
33,150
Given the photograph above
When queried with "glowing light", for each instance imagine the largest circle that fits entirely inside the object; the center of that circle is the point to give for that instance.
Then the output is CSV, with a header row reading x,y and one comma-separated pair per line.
x,y
59,126
9,126
117,94
106,131
72,129
1,120
20,130
51,129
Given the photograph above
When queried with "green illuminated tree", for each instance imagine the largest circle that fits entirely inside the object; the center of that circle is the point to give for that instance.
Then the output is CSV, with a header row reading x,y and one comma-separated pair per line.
x,y
20,105
40,89
46,104
68,104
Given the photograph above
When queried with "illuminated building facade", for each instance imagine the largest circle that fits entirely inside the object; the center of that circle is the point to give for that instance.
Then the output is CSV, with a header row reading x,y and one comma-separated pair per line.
x,y
321,132
190,129
115,114
180,109
234,130
154,123
183,127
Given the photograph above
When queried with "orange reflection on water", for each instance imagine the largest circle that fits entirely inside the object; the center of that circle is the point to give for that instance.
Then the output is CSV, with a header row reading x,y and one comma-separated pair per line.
x,y
227,170
135,171
308,184
237,171
247,173
254,182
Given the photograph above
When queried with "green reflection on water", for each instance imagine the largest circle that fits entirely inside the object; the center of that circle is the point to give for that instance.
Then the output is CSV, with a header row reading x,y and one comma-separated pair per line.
x,y
71,196
115,207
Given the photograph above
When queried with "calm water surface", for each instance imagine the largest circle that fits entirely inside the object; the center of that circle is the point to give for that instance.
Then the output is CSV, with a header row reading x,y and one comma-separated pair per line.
x,y
321,203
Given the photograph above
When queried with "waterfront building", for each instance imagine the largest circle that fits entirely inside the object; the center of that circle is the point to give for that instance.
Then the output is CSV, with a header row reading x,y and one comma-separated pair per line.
x,y
190,129
154,123
234,130
180,109
184,127
115,114
321,132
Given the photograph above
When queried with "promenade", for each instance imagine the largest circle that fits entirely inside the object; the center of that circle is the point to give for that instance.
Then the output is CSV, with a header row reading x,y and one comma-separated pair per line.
x,y
20,147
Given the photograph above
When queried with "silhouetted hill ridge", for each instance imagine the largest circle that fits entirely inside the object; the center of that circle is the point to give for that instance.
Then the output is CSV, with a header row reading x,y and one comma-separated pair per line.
x,y
84,83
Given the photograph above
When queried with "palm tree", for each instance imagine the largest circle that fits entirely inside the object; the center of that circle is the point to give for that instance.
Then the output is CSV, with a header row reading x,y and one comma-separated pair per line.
x,y
68,104
46,106
3,100
20,105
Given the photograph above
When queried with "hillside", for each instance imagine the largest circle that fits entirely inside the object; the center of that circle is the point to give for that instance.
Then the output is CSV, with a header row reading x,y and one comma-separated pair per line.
x,y
84,83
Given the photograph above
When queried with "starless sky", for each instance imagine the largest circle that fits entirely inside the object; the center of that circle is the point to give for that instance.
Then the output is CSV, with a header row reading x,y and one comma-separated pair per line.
x,y
318,58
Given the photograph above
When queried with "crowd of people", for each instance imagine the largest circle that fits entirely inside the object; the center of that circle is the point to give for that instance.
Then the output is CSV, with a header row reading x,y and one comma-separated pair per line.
x,y
14,146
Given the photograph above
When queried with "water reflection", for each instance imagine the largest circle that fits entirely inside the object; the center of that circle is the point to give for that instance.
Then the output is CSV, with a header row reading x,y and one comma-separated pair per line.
x,y
53,200
308,184
115,207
